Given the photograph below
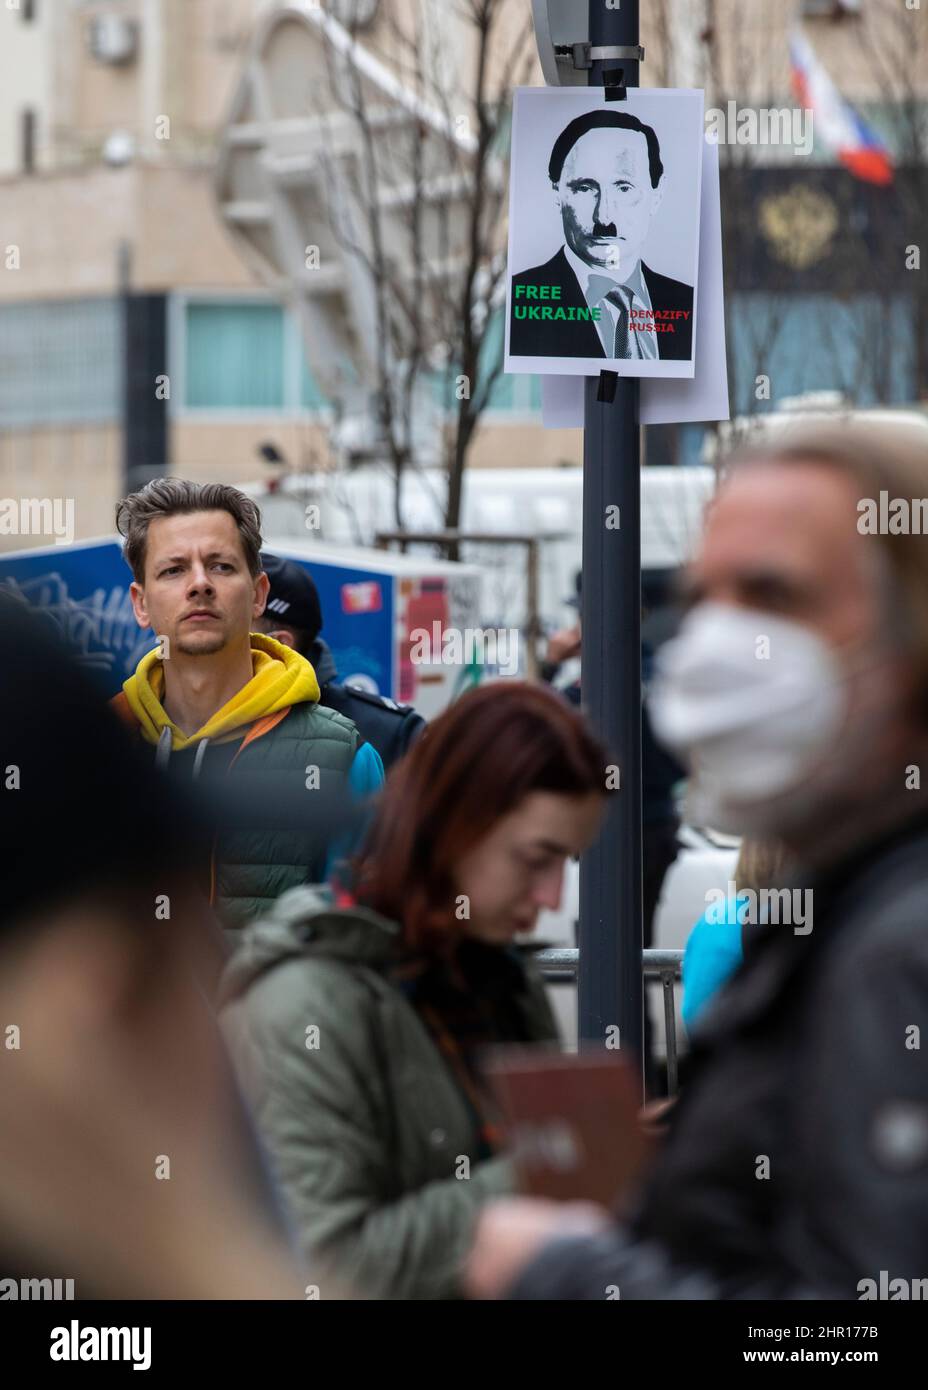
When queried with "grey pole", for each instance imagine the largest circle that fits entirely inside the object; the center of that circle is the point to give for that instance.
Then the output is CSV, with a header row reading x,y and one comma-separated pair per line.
x,y
610,940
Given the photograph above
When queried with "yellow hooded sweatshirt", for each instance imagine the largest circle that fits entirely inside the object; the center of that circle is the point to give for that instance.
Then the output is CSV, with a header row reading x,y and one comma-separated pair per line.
x,y
281,678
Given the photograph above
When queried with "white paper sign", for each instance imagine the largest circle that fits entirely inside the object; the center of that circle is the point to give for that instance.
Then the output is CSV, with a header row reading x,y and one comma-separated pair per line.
x,y
705,397
604,232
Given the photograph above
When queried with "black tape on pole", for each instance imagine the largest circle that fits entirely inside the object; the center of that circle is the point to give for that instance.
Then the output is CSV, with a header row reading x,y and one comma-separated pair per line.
x,y
614,88
606,389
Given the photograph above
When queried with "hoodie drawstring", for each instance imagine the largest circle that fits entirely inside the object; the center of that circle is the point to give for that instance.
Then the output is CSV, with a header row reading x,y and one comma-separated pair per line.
x,y
163,751
198,757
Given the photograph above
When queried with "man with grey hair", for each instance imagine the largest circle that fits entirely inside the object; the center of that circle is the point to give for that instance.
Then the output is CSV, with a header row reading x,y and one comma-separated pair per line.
x,y
797,1159
228,701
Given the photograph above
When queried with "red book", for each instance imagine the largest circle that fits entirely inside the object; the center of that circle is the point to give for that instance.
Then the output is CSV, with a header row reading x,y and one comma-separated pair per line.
x,y
571,1122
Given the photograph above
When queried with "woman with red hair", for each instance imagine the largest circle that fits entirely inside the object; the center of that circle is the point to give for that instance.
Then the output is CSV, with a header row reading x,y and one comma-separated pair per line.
x,y
358,1024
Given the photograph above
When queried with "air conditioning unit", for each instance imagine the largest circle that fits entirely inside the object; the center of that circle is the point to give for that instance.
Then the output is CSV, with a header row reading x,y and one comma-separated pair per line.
x,y
832,9
113,38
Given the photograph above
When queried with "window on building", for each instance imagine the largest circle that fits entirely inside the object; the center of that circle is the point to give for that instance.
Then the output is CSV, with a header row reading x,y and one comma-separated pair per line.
x,y
235,357
60,362
310,395
243,355
510,394
249,356
791,345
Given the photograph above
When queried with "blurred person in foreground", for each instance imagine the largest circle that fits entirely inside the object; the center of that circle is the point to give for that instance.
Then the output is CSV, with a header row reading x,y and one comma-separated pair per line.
x,y
217,698
293,616
797,1160
358,1024
127,1163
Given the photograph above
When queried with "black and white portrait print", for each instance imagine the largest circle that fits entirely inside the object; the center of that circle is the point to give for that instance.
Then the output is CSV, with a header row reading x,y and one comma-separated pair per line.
x,y
611,190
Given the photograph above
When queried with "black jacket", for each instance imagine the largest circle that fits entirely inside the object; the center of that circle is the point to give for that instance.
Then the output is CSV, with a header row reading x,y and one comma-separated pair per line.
x,y
807,1068
552,337
387,726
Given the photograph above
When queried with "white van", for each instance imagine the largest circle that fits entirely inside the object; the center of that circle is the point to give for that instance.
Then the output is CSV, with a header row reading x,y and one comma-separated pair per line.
x,y
542,502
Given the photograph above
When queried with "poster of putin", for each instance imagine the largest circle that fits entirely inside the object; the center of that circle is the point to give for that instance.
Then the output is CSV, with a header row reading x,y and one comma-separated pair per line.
x,y
604,232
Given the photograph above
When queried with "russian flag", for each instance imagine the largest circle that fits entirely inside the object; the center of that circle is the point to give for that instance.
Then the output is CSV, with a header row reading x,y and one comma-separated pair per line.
x,y
857,146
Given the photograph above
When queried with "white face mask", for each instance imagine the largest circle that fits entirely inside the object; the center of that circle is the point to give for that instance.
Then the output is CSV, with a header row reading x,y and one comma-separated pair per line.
x,y
755,701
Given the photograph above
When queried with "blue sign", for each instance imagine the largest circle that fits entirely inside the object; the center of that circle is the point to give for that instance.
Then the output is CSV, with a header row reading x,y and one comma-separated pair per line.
x,y
357,620
83,590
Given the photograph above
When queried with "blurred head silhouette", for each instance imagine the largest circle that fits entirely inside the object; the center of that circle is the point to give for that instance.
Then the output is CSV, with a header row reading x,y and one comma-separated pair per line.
x,y
114,1078
798,684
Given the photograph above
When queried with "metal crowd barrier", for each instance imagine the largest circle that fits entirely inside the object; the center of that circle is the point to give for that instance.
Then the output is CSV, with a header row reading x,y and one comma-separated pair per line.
x,y
560,965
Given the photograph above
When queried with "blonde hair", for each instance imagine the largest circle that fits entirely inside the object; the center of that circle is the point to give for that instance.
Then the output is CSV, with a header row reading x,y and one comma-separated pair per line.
x,y
761,864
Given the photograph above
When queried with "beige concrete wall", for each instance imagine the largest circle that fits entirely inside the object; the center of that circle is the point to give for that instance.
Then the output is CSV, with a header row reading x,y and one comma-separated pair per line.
x,y
69,225
105,96
207,451
189,61
218,36
524,445
513,55
189,56
180,241
79,462
85,463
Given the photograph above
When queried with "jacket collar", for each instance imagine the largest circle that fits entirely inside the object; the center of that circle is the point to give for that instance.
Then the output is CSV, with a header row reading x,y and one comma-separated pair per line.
x,y
280,679
322,661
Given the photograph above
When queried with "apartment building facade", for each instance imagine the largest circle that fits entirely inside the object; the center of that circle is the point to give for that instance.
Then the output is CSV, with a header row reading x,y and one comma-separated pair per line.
x,y
135,338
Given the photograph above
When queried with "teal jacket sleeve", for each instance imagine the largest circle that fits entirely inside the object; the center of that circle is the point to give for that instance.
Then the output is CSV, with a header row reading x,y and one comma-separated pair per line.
x,y
365,776
713,953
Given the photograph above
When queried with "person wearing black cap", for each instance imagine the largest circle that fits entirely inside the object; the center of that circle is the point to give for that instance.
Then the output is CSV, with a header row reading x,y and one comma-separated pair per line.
x,y
293,616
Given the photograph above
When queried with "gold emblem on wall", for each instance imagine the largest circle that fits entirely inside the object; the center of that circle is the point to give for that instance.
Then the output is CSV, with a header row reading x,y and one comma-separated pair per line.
x,y
798,225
